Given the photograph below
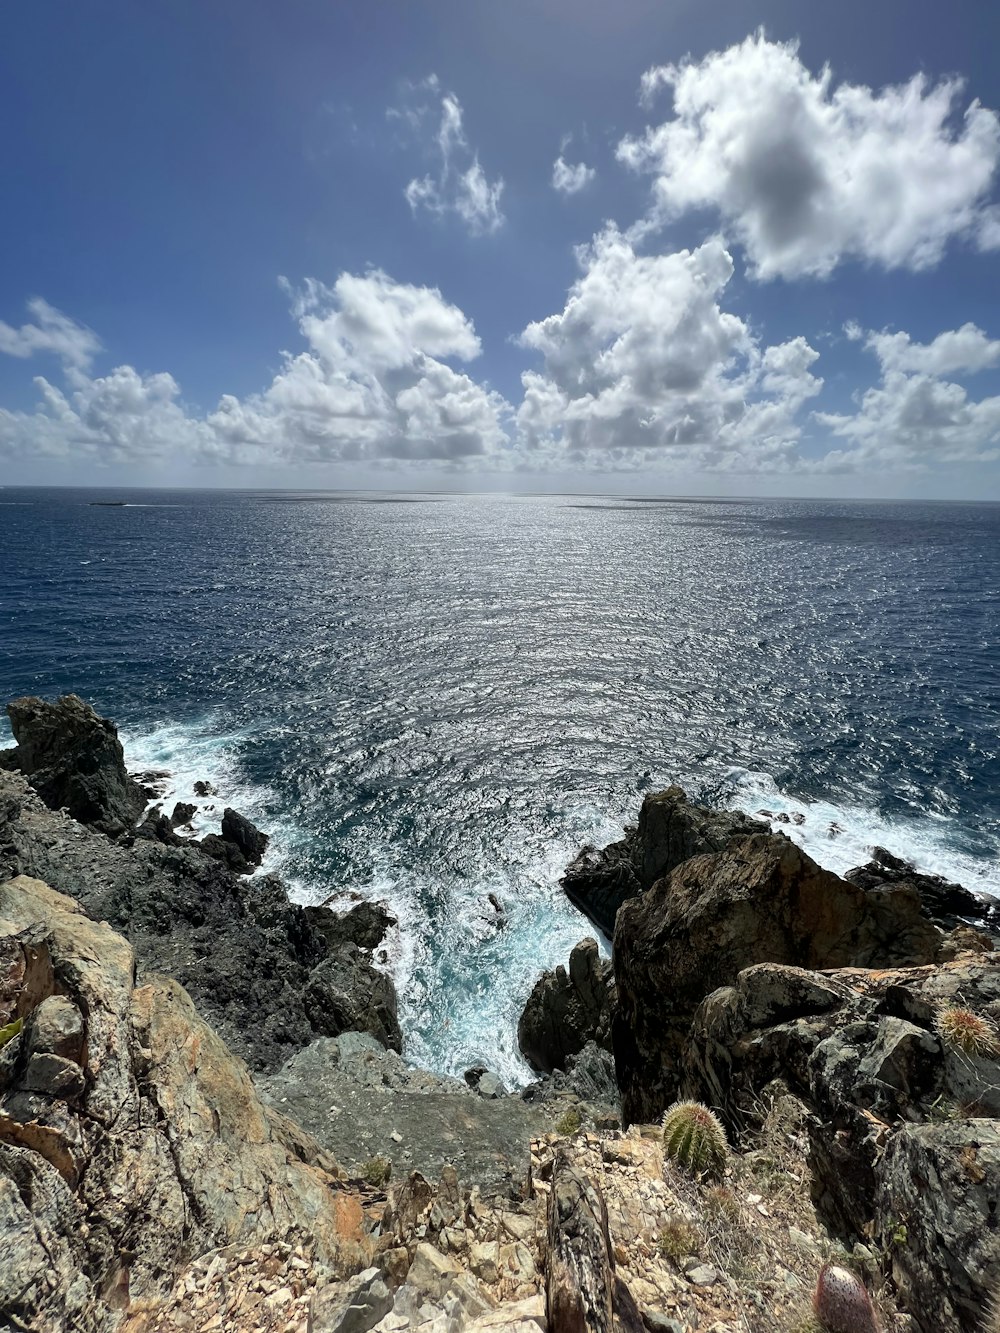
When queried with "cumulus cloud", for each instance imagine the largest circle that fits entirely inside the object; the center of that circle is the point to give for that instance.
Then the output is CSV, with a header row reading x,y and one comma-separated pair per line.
x,y
643,358
50,331
571,179
457,184
373,384
915,417
805,173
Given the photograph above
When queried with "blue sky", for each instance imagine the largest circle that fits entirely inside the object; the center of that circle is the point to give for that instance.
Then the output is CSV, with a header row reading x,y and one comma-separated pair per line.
x,y
675,247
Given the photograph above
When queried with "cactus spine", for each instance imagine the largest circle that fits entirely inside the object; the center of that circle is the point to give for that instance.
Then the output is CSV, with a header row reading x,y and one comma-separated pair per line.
x,y
842,1303
968,1032
694,1138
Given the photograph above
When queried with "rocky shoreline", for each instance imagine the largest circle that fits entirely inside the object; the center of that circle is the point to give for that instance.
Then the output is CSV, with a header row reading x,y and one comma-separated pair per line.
x,y
150,1179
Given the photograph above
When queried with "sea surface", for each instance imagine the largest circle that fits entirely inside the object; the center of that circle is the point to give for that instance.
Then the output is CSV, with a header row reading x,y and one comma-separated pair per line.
x,y
429,699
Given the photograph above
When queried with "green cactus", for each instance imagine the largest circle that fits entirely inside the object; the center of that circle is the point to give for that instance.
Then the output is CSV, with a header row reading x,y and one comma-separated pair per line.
x,y
968,1032
841,1302
694,1138
9,1032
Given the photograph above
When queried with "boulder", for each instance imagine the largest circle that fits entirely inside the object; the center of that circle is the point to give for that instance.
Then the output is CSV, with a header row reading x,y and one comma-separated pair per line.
x,y
580,1270
237,829
671,830
762,899
567,1009
74,759
364,925
183,812
345,993
892,1153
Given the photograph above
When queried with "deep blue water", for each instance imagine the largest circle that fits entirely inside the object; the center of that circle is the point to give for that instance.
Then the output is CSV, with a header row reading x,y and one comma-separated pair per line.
x,y
429,699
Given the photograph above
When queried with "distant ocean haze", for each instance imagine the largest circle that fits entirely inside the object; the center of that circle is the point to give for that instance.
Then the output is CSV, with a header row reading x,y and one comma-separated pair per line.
x,y
434,699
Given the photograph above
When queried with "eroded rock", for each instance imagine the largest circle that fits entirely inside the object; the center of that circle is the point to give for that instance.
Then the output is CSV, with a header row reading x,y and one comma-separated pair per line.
x,y
567,1009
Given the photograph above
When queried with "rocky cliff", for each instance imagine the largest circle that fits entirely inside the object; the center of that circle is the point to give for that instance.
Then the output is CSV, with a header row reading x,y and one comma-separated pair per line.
x,y
206,1121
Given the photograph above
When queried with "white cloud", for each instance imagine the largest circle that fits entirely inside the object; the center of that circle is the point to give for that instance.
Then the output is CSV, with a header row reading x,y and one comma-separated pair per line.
x,y
571,179
373,384
457,184
642,358
806,173
50,331
914,417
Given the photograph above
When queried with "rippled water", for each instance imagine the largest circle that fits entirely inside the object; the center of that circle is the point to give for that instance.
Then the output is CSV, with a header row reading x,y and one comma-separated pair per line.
x,y
431,699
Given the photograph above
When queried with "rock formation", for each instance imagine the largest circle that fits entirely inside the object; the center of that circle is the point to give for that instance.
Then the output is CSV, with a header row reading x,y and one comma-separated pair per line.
x,y
762,899
670,831
74,760
567,1009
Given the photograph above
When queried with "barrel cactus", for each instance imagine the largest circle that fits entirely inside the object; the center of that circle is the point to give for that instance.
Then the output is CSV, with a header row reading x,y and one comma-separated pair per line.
x,y
968,1032
841,1302
694,1138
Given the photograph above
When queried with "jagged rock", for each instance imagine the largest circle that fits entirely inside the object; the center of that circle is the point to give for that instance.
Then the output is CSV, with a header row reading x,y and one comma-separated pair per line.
x,y
486,1084
566,1010
203,788
237,829
345,993
365,925
241,949
760,900
156,827
860,1051
948,905
937,1217
670,831
354,1307
74,759
580,1275
182,813
168,1154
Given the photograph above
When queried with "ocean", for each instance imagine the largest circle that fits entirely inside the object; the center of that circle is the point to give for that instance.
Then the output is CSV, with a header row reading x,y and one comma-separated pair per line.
x,y
432,699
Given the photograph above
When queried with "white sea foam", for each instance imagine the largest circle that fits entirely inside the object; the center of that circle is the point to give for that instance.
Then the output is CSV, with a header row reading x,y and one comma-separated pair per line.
x,y
841,836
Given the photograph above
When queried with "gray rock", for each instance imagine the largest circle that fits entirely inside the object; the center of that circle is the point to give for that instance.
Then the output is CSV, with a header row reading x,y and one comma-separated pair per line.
x,y
580,1272
183,812
937,1217
670,831
352,1094
55,1027
364,925
355,1306
345,993
566,1010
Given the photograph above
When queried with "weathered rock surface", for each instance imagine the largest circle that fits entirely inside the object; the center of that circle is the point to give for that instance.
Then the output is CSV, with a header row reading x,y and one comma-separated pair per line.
x,y
670,831
160,1151
937,1210
948,905
74,759
568,1009
580,1277
762,899
354,1096
365,925
346,994
247,956
862,1053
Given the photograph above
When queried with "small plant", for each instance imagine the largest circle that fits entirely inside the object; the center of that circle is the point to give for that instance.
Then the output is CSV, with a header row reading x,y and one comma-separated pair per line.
x,y
376,1171
968,1032
722,1204
841,1302
569,1122
679,1239
694,1138
9,1032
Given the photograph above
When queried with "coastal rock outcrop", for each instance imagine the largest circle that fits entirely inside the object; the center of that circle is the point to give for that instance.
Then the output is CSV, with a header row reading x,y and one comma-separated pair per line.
x,y
670,831
567,1009
93,1217
762,899
74,760
948,905
249,958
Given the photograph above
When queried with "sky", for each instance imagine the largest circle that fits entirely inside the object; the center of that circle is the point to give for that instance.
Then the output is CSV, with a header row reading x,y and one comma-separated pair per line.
x,y
685,247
